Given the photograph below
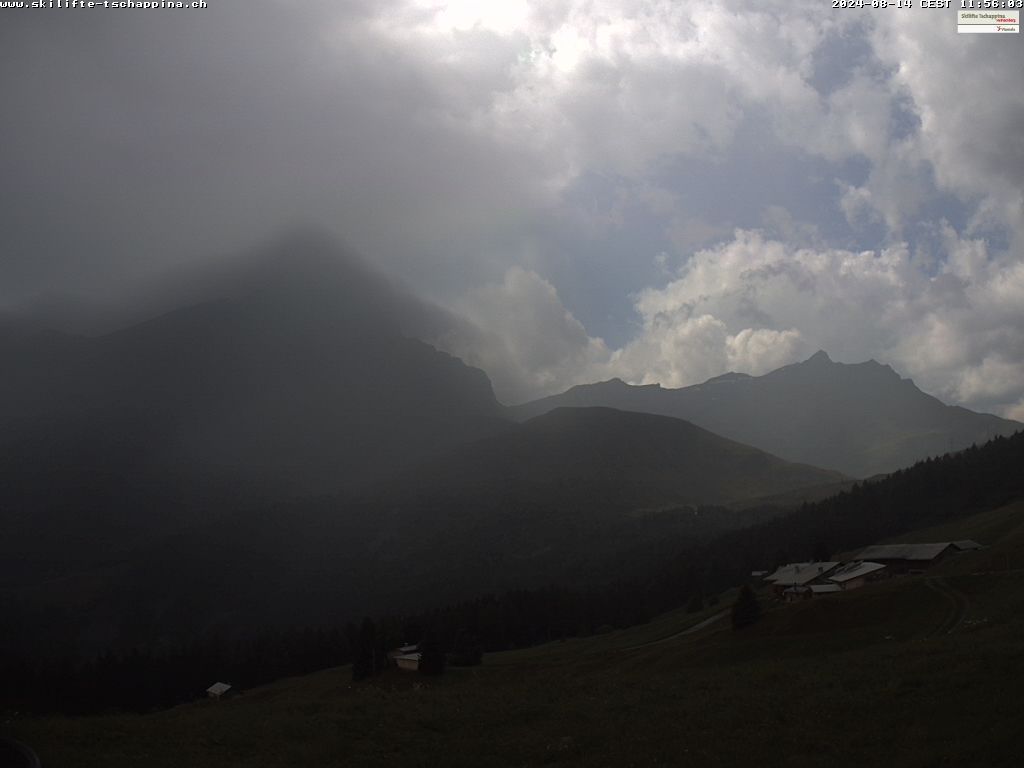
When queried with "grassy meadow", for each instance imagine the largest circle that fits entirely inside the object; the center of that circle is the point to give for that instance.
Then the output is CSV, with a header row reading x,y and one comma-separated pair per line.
x,y
916,671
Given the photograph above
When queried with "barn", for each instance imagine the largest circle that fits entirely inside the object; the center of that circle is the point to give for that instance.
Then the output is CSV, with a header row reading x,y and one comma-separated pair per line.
x,y
857,574
908,558
824,589
968,545
408,661
406,657
796,576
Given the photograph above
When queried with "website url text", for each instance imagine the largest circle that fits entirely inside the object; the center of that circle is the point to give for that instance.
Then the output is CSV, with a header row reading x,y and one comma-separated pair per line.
x,y
102,4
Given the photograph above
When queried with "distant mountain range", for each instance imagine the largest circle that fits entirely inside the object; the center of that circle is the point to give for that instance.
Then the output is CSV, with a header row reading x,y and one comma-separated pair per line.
x,y
861,419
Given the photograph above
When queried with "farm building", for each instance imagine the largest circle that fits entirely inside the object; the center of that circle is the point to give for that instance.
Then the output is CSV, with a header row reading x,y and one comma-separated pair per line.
x,y
795,594
967,545
798,575
824,589
906,558
406,657
801,581
408,661
857,574
220,691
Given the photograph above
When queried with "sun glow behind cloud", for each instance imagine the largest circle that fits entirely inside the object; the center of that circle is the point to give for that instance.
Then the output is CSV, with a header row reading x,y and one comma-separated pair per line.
x,y
464,15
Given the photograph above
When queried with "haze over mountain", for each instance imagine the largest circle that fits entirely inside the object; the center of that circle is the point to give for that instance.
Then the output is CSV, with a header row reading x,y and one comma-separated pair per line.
x,y
566,494
164,474
861,419
289,374
576,496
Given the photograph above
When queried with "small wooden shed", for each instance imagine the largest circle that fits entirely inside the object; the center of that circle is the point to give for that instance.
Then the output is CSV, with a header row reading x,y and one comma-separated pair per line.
x,y
220,691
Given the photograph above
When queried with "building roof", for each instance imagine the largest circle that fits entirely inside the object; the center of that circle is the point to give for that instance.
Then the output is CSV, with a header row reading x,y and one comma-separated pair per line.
x,y
824,589
965,544
854,570
922,552
218,689
798,574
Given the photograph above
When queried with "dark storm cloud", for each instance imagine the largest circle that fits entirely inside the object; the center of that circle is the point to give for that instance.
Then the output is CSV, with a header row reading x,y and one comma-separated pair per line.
x,y
134,140
133,135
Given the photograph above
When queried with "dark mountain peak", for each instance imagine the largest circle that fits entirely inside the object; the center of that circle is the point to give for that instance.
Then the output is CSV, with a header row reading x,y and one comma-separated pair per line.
x,y
615,383
729,377
288,363
302,254
305,260
300,282
611,386
298,257
872,363
289,267
882,372
819,358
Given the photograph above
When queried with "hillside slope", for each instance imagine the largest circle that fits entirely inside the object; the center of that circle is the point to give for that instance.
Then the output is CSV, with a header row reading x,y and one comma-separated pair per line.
x,y
834,682
560,498
614,457
567,498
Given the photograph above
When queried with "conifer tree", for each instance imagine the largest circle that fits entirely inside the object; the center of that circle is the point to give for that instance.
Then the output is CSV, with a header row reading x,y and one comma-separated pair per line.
x,y
746,610
367,661
432,657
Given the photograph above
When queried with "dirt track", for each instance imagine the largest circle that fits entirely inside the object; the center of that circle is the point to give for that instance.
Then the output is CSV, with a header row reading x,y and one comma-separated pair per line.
x,y
689,630
958,606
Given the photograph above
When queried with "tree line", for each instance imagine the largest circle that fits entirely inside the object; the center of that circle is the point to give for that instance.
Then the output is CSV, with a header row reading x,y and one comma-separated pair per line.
x,y
931,492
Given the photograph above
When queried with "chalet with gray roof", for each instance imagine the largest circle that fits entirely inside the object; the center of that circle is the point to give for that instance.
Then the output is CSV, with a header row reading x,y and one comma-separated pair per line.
x,y
857,574
797,576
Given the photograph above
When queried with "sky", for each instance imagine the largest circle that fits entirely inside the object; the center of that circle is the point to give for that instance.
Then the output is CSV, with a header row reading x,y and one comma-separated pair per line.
x,y
656,191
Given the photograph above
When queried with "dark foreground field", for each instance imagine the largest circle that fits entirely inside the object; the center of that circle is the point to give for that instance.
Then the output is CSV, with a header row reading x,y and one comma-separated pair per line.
x,y
919,671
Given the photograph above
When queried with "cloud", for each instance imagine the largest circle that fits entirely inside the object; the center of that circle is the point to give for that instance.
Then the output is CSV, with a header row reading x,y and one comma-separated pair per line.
x,y
956,331
1016,411
656,189
968,110
763,350
529,342
752,304
679,351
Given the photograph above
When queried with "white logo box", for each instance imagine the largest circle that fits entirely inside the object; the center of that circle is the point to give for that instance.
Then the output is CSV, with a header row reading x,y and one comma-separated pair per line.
x,y
988,22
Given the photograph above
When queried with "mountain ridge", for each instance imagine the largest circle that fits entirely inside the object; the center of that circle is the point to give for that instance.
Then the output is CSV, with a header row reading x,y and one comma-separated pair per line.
x,y
861,419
